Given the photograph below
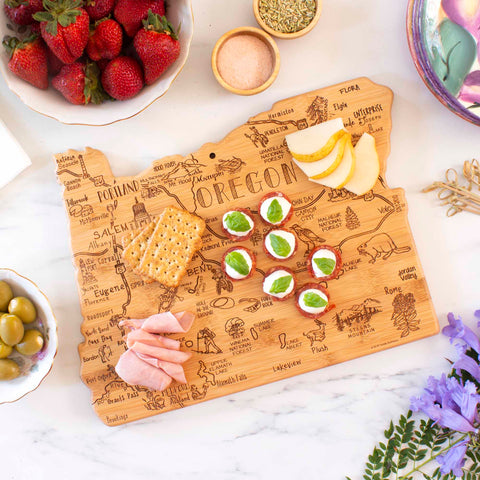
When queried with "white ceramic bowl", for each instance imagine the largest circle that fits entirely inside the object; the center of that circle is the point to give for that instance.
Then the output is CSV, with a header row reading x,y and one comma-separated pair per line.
x,y
13,390
52,104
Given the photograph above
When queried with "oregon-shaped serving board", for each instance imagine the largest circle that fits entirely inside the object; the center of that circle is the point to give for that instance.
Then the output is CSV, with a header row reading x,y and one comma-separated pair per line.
x,y
241,338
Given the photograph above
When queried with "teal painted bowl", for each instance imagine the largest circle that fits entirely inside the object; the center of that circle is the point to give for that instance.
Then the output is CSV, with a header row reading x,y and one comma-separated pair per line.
x,y
444,38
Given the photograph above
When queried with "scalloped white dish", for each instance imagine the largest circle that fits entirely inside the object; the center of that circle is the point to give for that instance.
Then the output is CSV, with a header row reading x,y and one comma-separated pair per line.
x,y
52,104
40,365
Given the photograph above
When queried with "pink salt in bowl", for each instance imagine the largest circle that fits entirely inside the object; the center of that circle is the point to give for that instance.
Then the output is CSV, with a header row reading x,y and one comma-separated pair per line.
x,y
245,61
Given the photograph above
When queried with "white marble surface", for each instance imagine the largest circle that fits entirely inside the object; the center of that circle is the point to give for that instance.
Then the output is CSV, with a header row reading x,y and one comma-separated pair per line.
x,y
319,425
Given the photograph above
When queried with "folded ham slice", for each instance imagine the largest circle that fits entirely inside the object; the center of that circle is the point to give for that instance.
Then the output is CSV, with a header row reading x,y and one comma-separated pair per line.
x,y
153,360
135,371
140,335
173,369
166,322
161,353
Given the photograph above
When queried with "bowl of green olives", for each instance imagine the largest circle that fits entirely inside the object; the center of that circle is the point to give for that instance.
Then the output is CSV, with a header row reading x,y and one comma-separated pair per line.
x,y
28,336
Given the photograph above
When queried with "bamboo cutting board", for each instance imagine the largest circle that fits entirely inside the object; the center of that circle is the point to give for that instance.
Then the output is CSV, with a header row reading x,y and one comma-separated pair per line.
x,y
240,338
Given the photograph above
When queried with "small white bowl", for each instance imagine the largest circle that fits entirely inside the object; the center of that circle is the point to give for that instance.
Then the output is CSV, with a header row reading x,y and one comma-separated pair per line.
x,y
12,390
52,104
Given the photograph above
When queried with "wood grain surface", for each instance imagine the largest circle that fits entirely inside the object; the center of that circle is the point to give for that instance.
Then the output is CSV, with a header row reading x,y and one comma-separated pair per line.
x,y
241,338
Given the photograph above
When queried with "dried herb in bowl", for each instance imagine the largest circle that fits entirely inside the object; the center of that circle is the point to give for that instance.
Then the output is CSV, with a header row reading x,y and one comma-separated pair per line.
x,y
287,16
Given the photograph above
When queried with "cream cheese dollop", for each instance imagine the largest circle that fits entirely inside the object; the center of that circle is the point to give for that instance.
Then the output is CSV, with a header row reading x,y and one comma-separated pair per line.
x,y
322,253
288,236
270,279
285,205
233,232
313,310
232,273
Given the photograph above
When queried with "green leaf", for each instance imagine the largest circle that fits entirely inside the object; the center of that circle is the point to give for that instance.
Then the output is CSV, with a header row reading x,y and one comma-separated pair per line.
x,y
280,246
237,261
281,284
274,212
326,265
237,222
314,300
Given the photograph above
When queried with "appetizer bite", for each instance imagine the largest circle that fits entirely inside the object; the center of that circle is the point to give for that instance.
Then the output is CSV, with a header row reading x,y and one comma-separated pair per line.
x,y
238,224
280,244
279,283
238,263
324,263
275,208
312,300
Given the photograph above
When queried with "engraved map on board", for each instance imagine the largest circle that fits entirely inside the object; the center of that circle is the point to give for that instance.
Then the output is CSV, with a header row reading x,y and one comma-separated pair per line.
x,y
241,338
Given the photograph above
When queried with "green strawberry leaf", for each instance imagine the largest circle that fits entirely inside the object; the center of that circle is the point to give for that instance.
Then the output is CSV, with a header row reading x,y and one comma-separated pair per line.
x,y
314,300
274,212
326,265
237,261
281,284
237,222
280,246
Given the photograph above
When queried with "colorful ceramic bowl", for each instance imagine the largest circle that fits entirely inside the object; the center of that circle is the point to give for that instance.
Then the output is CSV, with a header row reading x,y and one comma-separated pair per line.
x,y
34,369
52,104
443,37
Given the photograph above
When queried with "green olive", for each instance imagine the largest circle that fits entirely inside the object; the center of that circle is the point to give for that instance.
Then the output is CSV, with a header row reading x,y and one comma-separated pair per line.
x,y
32,343
23,308
11,329
6,295
8,369
5,350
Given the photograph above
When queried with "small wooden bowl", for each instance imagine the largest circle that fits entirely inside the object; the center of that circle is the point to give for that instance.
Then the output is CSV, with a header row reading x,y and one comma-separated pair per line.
x,y
288,36
269,41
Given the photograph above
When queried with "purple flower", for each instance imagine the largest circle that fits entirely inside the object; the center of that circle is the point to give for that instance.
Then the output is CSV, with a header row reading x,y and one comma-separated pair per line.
x,y
470,90
456,329
477,314
467,364
465,14
454,459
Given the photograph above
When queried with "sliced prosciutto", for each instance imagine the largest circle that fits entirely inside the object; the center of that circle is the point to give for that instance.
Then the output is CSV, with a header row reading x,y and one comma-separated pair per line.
x,y
161,353
142,336
173,369
135,371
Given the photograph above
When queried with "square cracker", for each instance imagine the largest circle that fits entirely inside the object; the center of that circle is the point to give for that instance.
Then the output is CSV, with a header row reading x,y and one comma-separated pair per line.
x,y
177,236
135,247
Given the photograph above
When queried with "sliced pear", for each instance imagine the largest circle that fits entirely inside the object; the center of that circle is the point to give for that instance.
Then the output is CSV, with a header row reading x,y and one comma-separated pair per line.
x,y
327,165
322,152
315,143
367,167
344,172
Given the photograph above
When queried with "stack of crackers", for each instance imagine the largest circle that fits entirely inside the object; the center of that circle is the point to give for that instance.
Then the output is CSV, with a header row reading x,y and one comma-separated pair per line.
x,y
162,250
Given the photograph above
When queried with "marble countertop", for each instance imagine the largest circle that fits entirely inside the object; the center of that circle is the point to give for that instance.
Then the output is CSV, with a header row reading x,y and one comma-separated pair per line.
x,y
318,425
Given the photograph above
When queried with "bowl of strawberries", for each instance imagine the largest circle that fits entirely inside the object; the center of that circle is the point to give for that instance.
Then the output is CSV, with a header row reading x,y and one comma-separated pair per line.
x,y
93,62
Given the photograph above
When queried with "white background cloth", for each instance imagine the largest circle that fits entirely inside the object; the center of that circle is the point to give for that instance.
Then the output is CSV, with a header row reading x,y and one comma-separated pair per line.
x,y
13,158
319,425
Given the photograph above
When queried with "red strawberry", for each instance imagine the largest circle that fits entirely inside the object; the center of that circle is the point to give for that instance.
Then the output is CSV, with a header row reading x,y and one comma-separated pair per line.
x,y
122,78
54,63
28,60
64,27
105,41
79,83
130,13
98,9
35,28
157,46
21,11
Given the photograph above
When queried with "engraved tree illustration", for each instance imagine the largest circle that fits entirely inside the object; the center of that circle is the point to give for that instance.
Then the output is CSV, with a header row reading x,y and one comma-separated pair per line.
x,y
404,315
351,220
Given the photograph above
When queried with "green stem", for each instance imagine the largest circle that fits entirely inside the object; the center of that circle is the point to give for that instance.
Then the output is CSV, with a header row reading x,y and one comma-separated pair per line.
x,y
433,457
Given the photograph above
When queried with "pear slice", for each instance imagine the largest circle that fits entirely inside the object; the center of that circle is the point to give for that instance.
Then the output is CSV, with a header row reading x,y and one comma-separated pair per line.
x,y
344,172
322,152
367,167
325,166
315,143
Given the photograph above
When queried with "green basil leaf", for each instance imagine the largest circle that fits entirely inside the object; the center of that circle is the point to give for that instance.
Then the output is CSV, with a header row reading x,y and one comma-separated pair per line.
x,y
274,212
237,222
314,300
280,246
281,284
237,261
326,265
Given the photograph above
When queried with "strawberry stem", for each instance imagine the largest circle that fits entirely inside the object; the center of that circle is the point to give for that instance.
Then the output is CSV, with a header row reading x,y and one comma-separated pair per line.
x,y
63,12
158,24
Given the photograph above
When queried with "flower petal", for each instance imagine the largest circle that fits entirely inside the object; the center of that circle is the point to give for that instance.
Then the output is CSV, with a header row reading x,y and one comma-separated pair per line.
x,y
454,459
465,13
